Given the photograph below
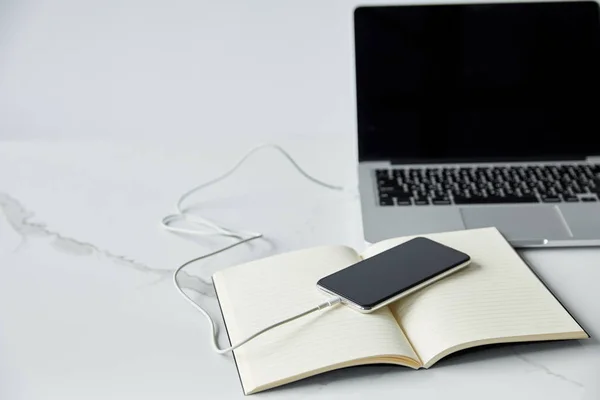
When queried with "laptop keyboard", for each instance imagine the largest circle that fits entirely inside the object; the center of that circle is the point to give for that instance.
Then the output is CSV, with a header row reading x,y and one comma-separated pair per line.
x,y
488,185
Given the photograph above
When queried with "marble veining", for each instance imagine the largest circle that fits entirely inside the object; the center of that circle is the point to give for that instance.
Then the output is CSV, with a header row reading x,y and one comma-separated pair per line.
x,y
21,221
546,370
29,228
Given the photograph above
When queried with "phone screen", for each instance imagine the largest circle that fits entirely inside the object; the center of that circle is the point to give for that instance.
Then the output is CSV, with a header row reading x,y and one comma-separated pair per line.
x,y
386,275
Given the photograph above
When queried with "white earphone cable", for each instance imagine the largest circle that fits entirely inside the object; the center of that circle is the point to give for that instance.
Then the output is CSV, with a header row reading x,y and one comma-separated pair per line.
x,y
182,215
204,227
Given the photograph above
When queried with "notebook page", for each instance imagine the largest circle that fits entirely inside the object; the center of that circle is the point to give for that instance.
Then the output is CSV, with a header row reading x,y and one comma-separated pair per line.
x,y
495,299
260,293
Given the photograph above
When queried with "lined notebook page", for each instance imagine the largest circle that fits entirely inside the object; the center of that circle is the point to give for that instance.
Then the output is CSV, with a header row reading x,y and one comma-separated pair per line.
x,y
495,299
263,292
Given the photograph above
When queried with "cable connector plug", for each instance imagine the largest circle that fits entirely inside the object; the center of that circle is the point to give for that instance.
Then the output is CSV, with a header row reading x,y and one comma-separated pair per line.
x,y
329,303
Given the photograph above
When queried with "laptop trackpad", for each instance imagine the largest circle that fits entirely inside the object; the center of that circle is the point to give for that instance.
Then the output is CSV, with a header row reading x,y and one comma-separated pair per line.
x,y
519,222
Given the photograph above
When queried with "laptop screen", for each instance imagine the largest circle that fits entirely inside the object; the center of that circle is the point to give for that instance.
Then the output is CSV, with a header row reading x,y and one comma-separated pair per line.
x,y
478,82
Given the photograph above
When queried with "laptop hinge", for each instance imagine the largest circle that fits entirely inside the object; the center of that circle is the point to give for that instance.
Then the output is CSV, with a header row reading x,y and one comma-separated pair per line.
x,y
468,160
593,159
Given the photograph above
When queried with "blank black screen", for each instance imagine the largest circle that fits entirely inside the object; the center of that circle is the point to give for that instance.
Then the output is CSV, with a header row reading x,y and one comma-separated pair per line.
x,y
385,275
477,81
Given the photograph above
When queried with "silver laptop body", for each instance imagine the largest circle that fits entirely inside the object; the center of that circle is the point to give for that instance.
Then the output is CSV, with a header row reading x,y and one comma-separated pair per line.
x,y
476,115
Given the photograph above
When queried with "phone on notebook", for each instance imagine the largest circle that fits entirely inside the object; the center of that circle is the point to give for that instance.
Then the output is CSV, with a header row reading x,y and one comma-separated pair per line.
x,y
397,272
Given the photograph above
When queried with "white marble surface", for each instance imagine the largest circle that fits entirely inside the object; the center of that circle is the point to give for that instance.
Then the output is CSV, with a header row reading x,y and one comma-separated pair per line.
x,y
87,310
139,68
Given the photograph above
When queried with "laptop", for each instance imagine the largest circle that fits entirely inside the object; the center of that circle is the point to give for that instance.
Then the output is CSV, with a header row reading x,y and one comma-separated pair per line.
x,y
476,115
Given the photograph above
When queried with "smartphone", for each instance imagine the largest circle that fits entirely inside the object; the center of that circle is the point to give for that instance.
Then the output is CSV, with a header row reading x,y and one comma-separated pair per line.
x,y
386,277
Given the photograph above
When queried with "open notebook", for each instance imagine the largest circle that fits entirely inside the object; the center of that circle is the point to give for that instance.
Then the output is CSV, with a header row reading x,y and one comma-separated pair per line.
x,y
496,299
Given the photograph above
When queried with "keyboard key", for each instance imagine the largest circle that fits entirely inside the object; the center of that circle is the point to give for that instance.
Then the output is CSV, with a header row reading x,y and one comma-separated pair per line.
x,y
421,202
589,199
570,199
386,183
494,199
441,202
395,193
385,196
551,199
402,198
382,173
386,201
